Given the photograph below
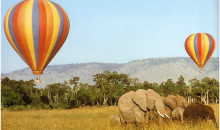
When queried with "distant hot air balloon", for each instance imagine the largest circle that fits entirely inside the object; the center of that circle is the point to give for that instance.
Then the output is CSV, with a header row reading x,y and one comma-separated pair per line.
x,y
200,47
36,29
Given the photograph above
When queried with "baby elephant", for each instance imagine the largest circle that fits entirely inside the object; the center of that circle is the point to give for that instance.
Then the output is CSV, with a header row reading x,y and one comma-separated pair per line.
x,y
178,113
114,120
194,112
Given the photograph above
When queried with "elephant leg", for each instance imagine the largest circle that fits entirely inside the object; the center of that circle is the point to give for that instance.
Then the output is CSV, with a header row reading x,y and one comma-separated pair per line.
x,y
121,119
181,118
139,115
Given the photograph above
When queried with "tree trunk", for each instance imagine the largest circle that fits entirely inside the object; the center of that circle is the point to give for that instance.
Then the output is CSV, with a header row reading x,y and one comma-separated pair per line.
x,y
207,97
105,99
97,103
216,100
55,99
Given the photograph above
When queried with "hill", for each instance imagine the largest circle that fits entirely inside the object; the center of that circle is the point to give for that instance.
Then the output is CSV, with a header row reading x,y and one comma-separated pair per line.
x,y
151,70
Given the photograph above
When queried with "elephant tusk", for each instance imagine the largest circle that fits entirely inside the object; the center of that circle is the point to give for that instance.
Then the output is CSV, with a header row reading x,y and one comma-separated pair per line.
x,y
167,115
160,113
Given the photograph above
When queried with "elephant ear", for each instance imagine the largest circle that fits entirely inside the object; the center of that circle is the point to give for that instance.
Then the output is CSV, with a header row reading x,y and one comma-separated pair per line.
x,y
139,97
171,102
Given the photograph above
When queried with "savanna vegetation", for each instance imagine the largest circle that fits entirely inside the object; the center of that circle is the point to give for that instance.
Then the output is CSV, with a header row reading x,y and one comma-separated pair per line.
x,y
108,87
51,107
87,118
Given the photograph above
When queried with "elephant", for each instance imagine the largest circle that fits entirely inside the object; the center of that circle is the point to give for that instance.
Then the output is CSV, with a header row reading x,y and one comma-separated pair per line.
x,y
194,112
174,101
178,113
114,120
134,107
167,110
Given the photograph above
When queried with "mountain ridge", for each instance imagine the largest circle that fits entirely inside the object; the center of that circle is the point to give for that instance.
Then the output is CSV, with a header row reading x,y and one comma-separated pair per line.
x,y
151,70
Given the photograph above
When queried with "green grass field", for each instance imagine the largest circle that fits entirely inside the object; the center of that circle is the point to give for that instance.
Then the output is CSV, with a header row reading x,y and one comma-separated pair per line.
x,y
96,118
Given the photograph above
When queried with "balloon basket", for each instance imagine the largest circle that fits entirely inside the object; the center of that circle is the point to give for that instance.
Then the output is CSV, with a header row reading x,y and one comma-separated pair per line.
x,y
37,80
201,71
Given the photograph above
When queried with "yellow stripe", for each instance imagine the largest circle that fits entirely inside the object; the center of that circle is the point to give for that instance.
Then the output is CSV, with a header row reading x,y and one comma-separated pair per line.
x,y
9,35
206,45
29,31
191,40
56,25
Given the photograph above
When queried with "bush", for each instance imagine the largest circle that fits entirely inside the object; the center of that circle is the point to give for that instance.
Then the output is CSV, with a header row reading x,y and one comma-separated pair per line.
x,y
39,106
16,108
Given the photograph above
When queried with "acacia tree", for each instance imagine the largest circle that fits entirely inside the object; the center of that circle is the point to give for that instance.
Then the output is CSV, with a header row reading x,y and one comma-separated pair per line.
x,y
201,89
211,84
111,84
168,88
29,86
74,81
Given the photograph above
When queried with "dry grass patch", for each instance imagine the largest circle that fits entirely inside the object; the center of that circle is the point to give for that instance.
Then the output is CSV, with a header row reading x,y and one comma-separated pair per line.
x,y
95,118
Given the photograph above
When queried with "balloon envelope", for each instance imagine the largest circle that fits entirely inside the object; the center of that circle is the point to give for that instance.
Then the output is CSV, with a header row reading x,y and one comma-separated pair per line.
x,y
200,47
36,29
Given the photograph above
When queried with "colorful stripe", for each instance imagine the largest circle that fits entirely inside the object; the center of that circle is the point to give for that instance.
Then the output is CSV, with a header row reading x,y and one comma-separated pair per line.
x,y
36,29
200,47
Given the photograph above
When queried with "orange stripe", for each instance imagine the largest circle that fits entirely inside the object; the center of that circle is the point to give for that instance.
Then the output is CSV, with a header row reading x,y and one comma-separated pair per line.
x,y
56,27
19,30
64,35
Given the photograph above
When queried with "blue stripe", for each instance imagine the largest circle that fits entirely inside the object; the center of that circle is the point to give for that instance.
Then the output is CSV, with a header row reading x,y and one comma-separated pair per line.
x,y
196,47
60,30
36,29
11,31
210,47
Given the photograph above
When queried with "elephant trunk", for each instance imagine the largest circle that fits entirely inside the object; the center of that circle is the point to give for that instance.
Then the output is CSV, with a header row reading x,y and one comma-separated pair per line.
x,y
214,121
161,123
160,109
160,113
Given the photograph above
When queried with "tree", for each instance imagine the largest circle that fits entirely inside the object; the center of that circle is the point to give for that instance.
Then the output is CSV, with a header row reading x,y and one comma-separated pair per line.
x,y
168,88
74,81
107,82
9,97
28,85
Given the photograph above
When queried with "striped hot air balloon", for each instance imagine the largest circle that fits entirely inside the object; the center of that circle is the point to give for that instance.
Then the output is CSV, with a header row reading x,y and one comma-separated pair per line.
x,y
36,29
200,47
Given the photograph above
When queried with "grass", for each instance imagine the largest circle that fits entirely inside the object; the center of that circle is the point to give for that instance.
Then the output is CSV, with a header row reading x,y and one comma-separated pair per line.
x,y
95,118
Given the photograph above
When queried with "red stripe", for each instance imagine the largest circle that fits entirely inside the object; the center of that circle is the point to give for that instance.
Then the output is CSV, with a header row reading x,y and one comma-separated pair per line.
x,y
199,48
43,30
49,33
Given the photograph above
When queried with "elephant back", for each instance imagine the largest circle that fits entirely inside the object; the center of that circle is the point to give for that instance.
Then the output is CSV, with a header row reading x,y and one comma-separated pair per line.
x,y
174,101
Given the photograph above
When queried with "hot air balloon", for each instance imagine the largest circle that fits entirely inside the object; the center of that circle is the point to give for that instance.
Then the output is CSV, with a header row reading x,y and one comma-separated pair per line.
x,y
200,47
36,29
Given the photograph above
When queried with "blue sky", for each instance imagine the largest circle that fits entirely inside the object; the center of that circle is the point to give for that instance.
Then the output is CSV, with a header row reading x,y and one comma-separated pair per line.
x,y
119,31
